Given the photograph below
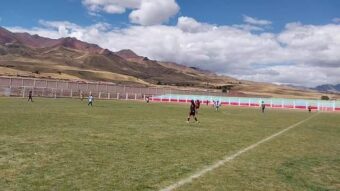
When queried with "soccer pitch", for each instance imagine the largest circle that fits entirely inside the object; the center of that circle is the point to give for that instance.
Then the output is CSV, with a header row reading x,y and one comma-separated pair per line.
x,y
62,144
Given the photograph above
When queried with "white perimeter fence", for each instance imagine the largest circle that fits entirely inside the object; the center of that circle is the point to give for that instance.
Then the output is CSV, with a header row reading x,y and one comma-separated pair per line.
x,y
20,87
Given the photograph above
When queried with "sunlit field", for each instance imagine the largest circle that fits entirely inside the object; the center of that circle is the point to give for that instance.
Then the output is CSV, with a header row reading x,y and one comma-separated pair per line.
x,y
63,144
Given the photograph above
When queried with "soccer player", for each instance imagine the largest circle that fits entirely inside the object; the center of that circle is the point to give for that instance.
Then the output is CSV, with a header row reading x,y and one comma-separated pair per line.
x,y
197,105
263,106
147,99
90,100
309,109
192,112
217,105
30,98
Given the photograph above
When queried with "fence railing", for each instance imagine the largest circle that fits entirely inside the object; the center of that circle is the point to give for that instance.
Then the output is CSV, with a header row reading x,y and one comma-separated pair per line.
x,y
278,103
20,87
14,86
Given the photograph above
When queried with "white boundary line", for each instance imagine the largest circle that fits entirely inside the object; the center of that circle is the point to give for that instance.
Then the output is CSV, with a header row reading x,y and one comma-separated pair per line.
x,y
229,158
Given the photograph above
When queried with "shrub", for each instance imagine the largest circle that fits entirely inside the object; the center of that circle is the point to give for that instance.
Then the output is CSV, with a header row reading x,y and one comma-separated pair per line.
x,y
324,97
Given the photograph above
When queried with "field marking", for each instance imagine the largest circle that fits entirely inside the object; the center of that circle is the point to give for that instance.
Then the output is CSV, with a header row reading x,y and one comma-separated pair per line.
x,y
230,158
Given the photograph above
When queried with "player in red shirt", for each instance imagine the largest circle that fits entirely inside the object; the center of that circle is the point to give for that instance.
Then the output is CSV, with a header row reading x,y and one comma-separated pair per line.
x,y
309,109
197,105
30,96
192,112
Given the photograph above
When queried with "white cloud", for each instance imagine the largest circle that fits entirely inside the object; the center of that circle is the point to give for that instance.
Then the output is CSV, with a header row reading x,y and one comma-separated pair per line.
x,y
248,27
111,6
188,24
299,54
144,12
153,12
255,21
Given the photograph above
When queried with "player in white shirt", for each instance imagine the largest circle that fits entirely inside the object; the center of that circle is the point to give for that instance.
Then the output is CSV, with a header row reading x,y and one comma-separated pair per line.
x,y
217,105
90,100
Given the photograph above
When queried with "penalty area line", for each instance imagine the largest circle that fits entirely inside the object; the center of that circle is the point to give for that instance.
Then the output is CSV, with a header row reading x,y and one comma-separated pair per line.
x,y
229,158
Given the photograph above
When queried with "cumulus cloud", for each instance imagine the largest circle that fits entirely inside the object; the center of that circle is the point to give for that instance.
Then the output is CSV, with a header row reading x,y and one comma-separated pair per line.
x,y
299,54
255,21
152,12
144,12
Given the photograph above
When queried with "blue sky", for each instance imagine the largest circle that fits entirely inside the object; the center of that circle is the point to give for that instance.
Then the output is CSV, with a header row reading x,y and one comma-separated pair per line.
x,y
261,40
222,12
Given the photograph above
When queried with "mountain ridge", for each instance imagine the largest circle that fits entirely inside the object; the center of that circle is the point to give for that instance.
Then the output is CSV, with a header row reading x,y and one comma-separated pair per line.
x,y
23,54
328,88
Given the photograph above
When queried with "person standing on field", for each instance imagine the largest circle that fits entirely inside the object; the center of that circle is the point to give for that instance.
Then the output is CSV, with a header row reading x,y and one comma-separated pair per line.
x,y
217,105
263,106
192,112
30,97
90,100
197,105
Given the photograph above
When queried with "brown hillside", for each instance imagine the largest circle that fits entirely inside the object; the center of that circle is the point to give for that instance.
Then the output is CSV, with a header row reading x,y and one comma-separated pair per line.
x,y
22,54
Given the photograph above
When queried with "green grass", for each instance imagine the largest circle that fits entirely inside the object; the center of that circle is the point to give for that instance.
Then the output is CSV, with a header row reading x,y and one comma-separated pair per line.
x,y
63,144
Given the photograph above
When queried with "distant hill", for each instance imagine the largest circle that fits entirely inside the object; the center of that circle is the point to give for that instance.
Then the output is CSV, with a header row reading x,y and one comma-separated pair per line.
x,y
26,55
328,88
35,56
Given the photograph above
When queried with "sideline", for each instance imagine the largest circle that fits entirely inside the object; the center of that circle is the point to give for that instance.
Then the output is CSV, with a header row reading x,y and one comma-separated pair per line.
x,y
229,158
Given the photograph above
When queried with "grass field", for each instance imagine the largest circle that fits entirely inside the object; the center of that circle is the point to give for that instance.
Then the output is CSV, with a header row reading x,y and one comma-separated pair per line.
x,y
62,144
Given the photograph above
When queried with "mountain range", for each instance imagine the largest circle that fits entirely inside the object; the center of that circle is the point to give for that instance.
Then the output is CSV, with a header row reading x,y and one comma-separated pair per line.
x,y
328,88
26,55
